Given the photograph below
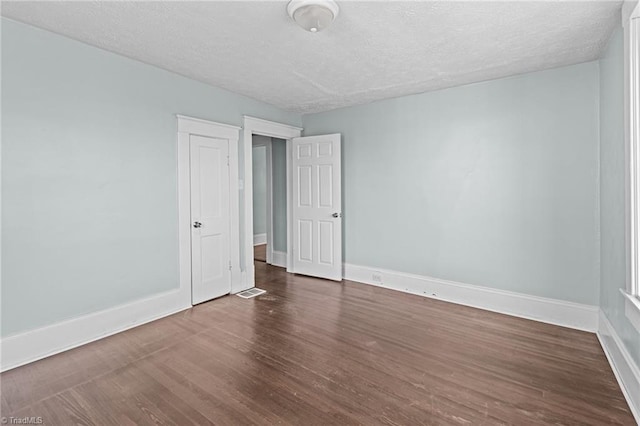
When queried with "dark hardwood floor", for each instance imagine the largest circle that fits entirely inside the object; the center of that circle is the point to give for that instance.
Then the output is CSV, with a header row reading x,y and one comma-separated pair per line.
x,y
315,352
260,252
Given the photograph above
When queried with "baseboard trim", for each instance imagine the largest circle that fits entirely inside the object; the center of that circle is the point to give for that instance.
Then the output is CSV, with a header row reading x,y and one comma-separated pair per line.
x,y
279,259
552,311
30,346
259,239
624,368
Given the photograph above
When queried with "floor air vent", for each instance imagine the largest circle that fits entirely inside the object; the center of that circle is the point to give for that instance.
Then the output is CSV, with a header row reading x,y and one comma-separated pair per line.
x,y
252,292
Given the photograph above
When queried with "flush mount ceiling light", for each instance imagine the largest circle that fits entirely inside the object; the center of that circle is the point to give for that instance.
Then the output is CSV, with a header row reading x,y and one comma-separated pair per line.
x,y
313,15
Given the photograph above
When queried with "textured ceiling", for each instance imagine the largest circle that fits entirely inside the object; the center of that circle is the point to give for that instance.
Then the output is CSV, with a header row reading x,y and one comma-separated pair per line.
x,y
374,50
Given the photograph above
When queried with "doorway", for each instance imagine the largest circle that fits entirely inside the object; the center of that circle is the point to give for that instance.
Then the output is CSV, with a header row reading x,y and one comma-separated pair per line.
x,y
269,200
210,218
259,149
313,201
276,251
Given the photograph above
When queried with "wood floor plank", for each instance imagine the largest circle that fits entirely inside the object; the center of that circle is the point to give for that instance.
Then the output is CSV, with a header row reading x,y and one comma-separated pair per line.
x,y
260,252
367,354
317,352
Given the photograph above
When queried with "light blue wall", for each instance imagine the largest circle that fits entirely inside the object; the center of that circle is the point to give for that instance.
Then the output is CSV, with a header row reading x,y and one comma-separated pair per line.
x,y
493,184
259,189
89,211
612,201
279,172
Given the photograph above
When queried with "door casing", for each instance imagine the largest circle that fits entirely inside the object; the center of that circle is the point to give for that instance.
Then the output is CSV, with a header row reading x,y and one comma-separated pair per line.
x,y
256,126
194,126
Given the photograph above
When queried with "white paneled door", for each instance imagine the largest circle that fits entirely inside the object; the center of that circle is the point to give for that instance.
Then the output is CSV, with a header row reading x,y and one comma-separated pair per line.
x,y
210,218
317,206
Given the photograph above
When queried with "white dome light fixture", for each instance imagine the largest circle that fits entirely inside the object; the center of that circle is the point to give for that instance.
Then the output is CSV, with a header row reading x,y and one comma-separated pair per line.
x,y
313,15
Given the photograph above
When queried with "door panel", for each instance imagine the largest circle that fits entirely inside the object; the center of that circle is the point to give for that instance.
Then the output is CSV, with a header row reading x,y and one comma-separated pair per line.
x,y
317,207
304,186
325,241
305,240
325,186
210,254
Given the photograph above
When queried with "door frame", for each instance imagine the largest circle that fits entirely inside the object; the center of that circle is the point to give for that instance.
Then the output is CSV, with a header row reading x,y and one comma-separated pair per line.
x,y
188,126
257,126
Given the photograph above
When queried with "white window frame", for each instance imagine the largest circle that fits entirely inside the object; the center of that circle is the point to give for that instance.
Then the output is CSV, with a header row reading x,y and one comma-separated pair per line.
x,y
631,24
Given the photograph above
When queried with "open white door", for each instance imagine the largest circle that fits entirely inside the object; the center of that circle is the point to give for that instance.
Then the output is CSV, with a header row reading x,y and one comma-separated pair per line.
x,y
317,206
210,218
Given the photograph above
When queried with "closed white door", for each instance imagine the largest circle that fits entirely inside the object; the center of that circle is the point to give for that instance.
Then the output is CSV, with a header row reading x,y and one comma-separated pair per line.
x,y
317,206
210,219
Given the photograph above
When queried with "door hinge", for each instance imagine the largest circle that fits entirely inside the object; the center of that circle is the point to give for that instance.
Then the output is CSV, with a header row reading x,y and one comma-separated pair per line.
x,y
227,160
229,265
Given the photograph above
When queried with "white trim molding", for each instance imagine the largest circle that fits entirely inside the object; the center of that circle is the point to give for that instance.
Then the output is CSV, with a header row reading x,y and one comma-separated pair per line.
x,y
631,27
632,142
259,239
624,368
257,126
30,346
279,259
200,126
195,126
552,311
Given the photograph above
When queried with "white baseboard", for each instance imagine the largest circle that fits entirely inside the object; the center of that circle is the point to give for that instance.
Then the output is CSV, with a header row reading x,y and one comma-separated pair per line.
x,y
626,371
552,311
40,343
279,259
259,239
